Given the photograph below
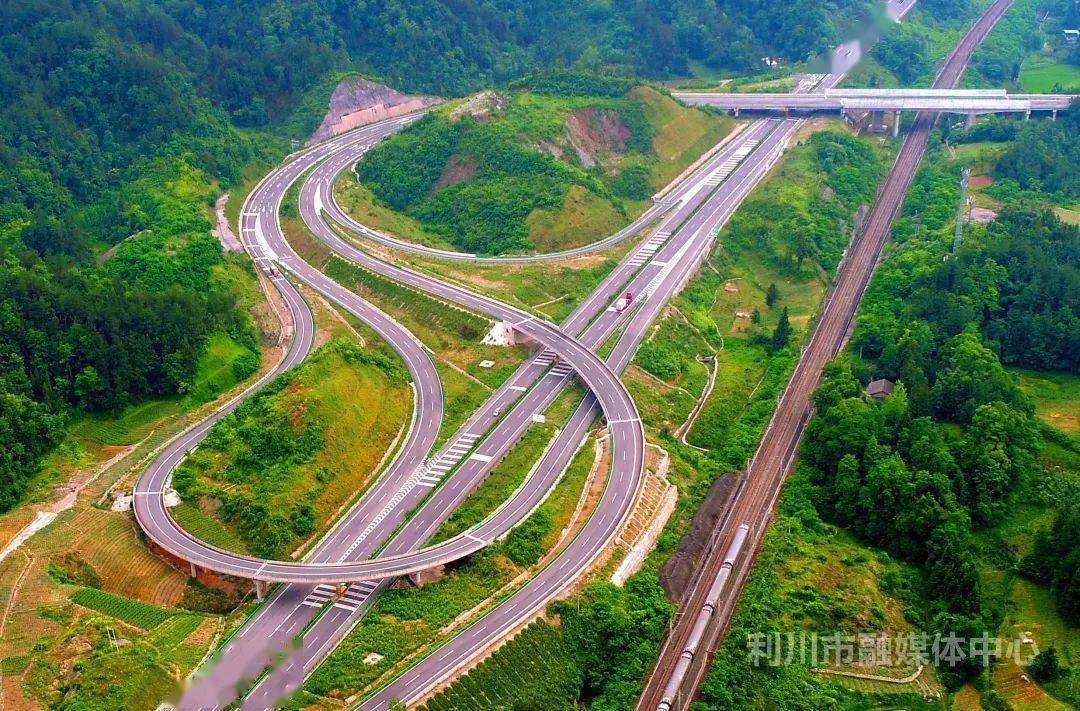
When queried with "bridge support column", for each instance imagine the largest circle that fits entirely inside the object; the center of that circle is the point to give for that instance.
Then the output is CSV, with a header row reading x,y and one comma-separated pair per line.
x,y
877,121
1027,115
735,111
194,570
260,589
1053,115
896,123
970,119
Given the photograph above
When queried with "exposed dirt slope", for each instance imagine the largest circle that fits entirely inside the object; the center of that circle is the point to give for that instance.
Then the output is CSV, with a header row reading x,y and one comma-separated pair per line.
x,y
357,101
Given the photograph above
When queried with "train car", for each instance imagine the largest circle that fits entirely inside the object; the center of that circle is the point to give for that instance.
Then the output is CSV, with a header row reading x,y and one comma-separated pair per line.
x,y
704,615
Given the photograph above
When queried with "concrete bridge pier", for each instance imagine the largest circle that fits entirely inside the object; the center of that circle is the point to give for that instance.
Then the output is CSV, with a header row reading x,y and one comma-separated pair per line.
x,y
194,571
896,123
877,121
735,112
1027,115
260,589
970,119
1053,114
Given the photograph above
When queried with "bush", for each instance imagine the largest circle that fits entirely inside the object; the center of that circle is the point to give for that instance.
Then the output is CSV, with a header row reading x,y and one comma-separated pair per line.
x,y
1045,666
659,359
202,598
245,365
633,183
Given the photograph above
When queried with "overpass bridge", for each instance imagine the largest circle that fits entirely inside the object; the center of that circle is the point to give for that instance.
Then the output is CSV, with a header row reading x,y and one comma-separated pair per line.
x,y
970,102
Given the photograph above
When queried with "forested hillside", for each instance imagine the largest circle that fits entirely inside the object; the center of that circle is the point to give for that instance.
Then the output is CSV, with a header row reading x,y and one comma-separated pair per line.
x,y
103,140
254,58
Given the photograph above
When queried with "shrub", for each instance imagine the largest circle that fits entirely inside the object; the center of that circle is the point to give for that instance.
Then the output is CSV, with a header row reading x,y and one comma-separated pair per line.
x,y
245,365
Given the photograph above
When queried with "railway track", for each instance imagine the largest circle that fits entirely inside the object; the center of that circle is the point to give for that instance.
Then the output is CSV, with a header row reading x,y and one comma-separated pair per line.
x,y
673,685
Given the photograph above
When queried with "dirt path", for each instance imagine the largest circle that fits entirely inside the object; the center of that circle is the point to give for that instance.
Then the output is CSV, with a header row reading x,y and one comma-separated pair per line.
x,y
222,230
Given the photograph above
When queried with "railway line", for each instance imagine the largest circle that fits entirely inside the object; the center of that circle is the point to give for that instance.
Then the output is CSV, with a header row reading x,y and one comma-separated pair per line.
x,y
673,683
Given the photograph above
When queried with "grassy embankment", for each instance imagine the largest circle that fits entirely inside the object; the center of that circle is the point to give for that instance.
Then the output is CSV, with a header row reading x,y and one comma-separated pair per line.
x,y
542,174
280,468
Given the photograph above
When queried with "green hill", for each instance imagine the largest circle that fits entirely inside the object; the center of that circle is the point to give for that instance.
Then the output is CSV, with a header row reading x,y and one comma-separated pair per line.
x,y
525,171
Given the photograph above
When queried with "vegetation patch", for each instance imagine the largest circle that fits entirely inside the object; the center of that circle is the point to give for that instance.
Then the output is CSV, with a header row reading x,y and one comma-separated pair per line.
x,y
546,172
281,466
133,612
529,672
949,472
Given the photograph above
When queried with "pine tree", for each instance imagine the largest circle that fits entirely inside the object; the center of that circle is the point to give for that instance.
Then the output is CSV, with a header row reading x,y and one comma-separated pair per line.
x,y
772,295
782,334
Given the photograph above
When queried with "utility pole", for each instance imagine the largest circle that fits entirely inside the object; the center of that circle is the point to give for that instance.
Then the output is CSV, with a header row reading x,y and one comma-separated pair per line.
x,y
960,210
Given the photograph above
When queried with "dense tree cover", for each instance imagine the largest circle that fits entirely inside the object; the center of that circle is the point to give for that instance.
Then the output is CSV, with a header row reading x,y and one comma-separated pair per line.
x,y
904,51
1044,158
946,9
1018,281
946,452
104,138
612,634
255,58
906,483
996,61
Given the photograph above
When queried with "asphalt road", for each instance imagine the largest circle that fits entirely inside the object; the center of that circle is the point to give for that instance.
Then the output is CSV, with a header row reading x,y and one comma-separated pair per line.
x,y
770,464
260,230
677,261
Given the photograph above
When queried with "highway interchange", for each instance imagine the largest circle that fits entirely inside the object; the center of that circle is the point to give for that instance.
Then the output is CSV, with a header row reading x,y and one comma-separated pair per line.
x,y
429,488
285,612
593,313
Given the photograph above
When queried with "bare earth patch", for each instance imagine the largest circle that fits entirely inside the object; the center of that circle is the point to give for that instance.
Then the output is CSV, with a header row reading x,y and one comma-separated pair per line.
x,y
595,132
357,101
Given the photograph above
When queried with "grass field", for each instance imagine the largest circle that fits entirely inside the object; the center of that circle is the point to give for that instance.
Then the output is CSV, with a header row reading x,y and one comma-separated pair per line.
x,y
358,201
133,612
1056,397
549,289
453,334
680,135
1042,73
498,485
582,214
403,621
527,673
207,528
